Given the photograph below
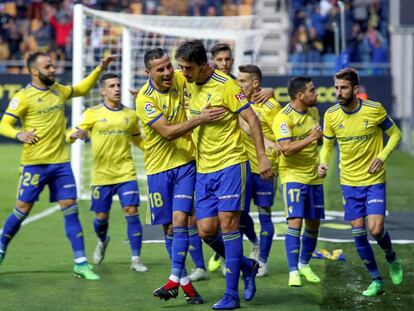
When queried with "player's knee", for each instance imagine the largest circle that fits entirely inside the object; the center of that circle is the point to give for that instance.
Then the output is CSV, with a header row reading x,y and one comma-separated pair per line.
x,y
312,225
168,229
67,203
180,219
295,223
376,230
130,210
24,207
102,216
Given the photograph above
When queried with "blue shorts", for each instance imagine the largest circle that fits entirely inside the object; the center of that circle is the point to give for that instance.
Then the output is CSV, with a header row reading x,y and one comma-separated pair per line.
x,y
58,177
171,191
303,201
222,191
361,201
263,191
127,192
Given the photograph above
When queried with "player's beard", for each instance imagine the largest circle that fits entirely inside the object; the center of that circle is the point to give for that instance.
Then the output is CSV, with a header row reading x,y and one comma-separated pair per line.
x,y
46,80
346,101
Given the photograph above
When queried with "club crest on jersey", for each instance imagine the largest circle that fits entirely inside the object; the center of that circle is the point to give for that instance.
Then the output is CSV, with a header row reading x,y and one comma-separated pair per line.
x,y
149,109
284,130
14,103
240,97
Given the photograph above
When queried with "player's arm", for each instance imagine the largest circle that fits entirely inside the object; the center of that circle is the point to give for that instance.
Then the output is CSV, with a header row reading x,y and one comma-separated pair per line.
x,y
290,147
15,111
394,134
136,136
263,95
83,87
264,165
327,146
170,132
81,131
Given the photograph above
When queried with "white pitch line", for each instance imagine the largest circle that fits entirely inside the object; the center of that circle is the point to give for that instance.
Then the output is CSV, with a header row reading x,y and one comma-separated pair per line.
x,y
45,213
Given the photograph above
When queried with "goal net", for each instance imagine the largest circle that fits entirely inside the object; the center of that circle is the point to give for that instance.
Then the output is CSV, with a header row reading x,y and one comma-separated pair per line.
x,y
100,33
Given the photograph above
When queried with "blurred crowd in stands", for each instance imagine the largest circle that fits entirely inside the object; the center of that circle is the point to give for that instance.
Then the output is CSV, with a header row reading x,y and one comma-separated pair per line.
x,y
29,25
313,33
46,25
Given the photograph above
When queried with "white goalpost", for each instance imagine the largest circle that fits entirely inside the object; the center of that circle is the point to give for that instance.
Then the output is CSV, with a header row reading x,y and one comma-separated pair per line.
x,y
99,33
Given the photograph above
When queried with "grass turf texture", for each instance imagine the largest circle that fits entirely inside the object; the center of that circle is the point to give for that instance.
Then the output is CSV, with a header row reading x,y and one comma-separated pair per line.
x,y
37,272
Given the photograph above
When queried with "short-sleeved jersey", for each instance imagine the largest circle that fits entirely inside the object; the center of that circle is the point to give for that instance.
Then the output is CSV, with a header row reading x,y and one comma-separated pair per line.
x,y
160,154
218,144
266,112
360,139
111,134
300,167
42,110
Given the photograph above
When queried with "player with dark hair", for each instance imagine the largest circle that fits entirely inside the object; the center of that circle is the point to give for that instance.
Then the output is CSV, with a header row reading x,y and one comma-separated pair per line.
x,y
40,108
358,126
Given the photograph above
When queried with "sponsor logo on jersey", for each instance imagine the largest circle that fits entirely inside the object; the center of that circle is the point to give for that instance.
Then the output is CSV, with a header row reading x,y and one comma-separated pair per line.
x,y
149,109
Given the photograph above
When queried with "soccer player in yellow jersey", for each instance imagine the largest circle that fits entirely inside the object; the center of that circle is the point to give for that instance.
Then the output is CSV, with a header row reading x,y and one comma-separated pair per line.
x,y
40,108
112,128
262,191
169,162
297,131
358,126
223,60
222,165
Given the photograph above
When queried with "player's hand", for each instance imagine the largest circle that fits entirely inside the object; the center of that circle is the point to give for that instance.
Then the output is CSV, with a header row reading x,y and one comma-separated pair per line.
x,y
107,60
80,134
375,166
317,132
262,96
265,168
212,114
29,137
271,145
133,92
322,170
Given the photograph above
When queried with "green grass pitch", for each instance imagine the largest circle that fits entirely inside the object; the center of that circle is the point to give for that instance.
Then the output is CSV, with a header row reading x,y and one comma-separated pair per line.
x,y
37,272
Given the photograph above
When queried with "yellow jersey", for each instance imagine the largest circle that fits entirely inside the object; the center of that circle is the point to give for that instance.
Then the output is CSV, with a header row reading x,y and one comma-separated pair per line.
x,y
360,139
300,167
218,144
266,112
111,133
160,154
42,110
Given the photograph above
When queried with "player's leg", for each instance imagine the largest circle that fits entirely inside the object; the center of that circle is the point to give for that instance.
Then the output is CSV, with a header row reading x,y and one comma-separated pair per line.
x,y
246,221
376,207
355,211
128,193
314,212
196,251
309,241
294,199
31,183
263,196
63,189
230,191
101,202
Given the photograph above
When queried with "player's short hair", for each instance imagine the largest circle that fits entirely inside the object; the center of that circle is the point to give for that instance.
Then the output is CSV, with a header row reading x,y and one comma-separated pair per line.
x,y
192,51
296,85
32,58
220,47
349,74
152,54
253,70
107,76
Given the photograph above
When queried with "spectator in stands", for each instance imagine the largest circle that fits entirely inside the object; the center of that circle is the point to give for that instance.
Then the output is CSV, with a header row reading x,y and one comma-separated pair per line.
x,y
62,26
